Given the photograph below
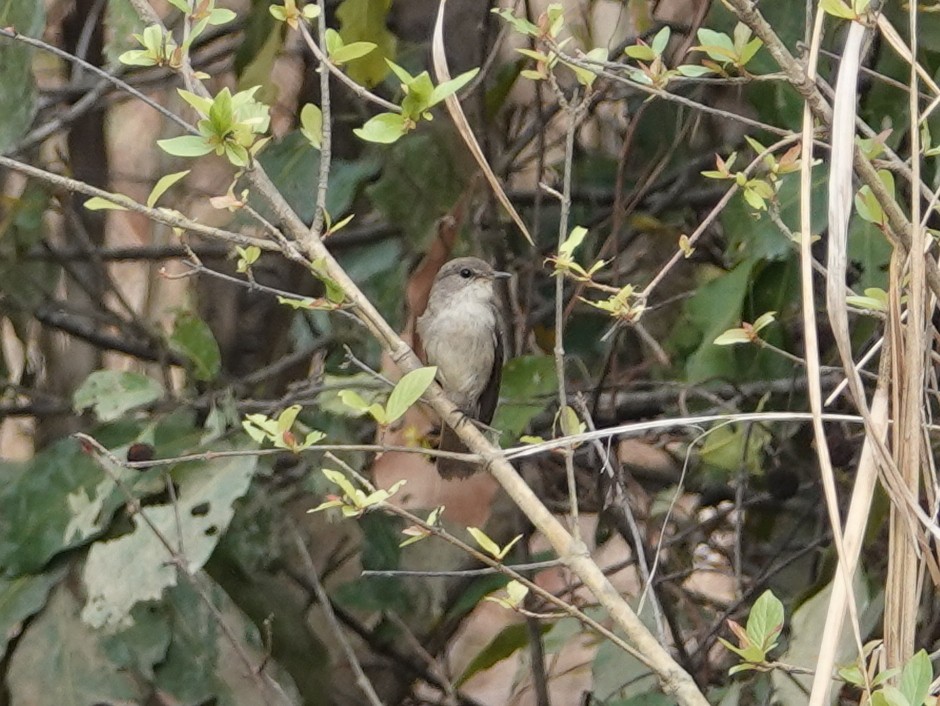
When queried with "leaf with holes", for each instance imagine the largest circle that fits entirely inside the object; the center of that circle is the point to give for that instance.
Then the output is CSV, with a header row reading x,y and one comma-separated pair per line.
x,y
206,495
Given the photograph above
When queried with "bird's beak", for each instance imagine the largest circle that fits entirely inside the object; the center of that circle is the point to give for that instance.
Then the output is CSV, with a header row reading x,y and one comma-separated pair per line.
x,y
502,275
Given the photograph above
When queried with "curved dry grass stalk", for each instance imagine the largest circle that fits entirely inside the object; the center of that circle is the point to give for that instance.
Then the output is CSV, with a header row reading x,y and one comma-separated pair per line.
x,y
463,125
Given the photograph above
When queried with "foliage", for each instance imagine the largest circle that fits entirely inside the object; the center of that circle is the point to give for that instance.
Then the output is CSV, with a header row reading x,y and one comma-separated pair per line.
x,y
232,471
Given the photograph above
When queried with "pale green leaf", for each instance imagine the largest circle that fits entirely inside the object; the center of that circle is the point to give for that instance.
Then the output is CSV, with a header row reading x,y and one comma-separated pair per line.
x,y
111,393
407,391
383,128
162,185
185,146
98,203
732,336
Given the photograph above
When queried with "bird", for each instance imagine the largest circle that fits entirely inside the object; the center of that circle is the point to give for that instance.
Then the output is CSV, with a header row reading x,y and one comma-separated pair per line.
x,y
462,333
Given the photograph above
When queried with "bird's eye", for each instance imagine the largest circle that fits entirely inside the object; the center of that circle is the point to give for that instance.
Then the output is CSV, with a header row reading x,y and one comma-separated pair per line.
x,y
466,273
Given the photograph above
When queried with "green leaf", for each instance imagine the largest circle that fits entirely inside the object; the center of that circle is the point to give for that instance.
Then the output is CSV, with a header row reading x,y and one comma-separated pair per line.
x,y
17,84
196,669
510,640
22,597
889,696
221,16
407,391
383,128
112,393
205,505
98,203
366,21
574,239
693,71
732,337
837,8
571,424
448,88
58,660
916,678
642,52
485,543
200,104
311,122
186,146
39,502
765,621
162,185
351,51
658,45
193,338
764,320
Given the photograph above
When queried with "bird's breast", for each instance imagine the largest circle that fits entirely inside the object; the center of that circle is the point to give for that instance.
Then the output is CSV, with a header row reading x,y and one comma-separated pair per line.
x,y
460,340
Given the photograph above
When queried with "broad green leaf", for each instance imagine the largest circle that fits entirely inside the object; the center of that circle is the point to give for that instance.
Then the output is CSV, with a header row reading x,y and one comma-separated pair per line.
x,y
200,665
38,501
351,51
112,393
366,21
889,696
765,621
837,8
221,16
58,660
193,338
17,85
186,146
22,597
916,678
286,419
98,203
205,498
510,640
643,52
658,45
162,185
407,391
383,128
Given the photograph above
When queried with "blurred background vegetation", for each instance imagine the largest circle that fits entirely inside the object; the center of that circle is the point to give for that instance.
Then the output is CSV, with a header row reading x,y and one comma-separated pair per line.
x,y
106,330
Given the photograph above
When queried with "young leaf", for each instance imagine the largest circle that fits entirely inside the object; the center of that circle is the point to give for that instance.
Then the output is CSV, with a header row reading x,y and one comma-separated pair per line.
x,y
351,51
185,146
658,45
311,123
384,128
162,185
449,88
408,390
98,203
837,8
765,621
485,543
192,337
732,336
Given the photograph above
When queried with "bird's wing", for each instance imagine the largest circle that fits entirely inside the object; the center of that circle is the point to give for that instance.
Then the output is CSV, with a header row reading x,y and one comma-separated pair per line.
x,y
490,395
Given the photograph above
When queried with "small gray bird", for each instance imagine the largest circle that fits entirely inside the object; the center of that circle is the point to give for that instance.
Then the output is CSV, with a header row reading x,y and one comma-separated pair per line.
x,y
462,334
